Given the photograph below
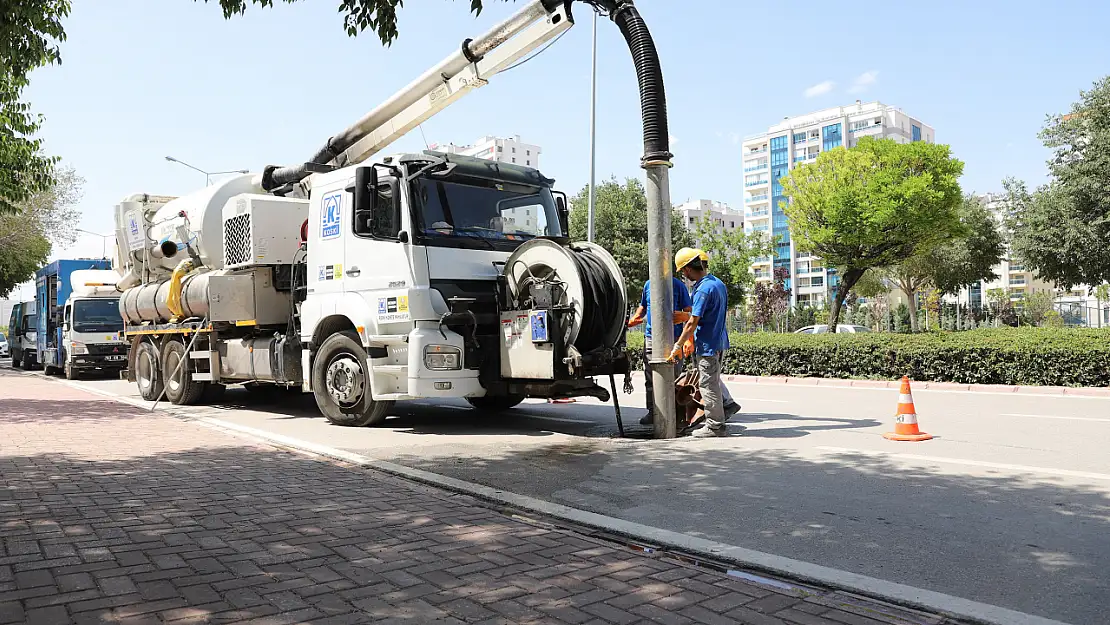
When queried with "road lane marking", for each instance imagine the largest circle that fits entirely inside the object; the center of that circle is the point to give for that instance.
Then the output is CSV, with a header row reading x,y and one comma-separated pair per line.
x,y
1062,418
1020,468
776,401
916,390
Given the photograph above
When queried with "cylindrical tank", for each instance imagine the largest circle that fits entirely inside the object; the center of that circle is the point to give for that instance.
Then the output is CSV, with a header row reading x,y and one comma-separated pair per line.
x,y
203,220
148,302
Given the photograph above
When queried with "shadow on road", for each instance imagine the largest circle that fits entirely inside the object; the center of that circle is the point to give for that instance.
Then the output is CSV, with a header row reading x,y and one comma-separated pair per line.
x,y
1030,544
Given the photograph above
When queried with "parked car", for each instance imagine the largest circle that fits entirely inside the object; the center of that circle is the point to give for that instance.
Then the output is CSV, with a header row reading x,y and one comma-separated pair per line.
x,y
3,345
841,328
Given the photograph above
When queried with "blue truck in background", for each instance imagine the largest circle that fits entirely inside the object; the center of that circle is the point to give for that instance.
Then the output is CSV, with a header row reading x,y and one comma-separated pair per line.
x,y
78,321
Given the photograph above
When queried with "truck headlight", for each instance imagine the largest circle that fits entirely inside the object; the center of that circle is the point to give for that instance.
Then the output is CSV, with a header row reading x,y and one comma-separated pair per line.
x,y
442,358
78,349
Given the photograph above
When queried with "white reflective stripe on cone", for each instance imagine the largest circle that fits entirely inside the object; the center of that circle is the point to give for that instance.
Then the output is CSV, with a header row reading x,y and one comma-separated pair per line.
x,y
905,398
906,418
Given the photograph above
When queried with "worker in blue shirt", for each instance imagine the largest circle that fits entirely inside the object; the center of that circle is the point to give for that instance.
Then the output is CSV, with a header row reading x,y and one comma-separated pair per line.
x,y
710,333
682,306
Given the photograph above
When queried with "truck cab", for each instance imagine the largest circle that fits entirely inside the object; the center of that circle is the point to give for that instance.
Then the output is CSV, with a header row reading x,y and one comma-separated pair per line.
x,y
92,327
22,334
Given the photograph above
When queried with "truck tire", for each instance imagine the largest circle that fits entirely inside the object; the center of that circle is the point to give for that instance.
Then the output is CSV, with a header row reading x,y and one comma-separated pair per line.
x,y
341,384
499,403
148,371
71,373
181,389
17,360
28,362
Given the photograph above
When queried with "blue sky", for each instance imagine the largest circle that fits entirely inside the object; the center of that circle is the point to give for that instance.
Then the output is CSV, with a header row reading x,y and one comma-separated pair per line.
x,y
142,79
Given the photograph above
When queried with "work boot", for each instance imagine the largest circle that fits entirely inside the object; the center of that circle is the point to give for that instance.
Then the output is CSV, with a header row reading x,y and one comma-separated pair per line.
x,y
647,419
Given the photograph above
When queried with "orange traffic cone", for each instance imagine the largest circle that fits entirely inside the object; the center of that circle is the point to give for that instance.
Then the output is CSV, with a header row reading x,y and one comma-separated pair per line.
x,y
905,421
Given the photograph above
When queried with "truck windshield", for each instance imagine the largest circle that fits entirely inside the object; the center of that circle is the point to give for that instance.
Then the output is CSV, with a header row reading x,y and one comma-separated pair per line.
x,y
30,323
502,215
96,315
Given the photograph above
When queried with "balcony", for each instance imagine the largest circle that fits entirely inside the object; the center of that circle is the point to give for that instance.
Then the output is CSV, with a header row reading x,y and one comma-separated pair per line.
x,y
755,199
1020,281
756,167
757,214
762,150
757,183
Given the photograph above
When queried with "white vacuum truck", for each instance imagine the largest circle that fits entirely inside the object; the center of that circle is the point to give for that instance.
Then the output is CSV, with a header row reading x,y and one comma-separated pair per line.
x,y
419,276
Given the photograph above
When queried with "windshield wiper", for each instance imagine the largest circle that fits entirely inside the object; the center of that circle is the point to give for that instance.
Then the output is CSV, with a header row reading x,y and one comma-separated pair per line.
x,y
474,235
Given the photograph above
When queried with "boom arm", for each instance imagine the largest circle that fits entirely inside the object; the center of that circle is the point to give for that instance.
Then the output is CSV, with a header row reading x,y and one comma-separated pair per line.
x,y
470,68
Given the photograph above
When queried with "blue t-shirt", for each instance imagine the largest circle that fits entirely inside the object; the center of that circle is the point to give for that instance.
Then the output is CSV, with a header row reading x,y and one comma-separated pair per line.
x,y
681,302
710,304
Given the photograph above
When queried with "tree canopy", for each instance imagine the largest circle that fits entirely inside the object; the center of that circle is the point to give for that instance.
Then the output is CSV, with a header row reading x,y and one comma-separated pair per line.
x,y
620,226
873,205
30,35
378,16
1062,230
26,236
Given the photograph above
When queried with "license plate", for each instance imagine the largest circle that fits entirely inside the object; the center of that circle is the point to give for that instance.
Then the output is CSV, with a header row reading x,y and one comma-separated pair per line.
x,y
117,358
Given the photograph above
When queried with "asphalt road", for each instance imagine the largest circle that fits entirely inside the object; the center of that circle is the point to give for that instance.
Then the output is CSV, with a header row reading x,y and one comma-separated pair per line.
x,y
1008,505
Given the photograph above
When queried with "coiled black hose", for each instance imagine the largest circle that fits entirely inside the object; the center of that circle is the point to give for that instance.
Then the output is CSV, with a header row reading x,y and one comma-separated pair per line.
x,y
601,306
649,74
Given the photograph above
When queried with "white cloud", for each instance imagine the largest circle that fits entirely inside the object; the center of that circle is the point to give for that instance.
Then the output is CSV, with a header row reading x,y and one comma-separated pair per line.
x,y
863,81
820,88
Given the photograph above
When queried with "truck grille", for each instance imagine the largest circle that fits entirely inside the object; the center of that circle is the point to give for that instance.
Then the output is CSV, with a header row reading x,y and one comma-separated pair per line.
x,y
237,240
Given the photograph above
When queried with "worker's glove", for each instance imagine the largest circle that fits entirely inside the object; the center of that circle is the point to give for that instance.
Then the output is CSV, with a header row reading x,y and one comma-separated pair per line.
x,y
681,317
676,353
688,348
635,321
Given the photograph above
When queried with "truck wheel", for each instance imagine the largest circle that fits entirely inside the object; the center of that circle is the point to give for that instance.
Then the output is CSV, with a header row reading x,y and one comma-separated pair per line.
x,y
49,370
71,373
181,389
148,375
499,403
341,384
28,362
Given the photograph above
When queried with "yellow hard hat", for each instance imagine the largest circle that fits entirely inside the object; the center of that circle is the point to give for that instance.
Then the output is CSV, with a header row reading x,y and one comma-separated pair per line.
x,y
687,254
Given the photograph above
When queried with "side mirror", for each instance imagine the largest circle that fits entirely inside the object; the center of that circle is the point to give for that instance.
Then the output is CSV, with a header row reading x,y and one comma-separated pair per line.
x,y
563,212
366,182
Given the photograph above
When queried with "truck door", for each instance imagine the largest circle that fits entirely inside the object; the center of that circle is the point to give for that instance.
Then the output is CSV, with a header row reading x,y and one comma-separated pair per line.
x,y
377,264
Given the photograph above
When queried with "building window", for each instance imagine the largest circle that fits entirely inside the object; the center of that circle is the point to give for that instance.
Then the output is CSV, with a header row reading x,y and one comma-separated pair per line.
x,y
514,159
831,137
800,137
514,150
916,132
500,148
528,152
528,163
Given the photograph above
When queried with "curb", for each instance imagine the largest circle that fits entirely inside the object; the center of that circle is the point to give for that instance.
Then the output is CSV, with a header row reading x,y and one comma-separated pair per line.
x,y
797,570
1068,391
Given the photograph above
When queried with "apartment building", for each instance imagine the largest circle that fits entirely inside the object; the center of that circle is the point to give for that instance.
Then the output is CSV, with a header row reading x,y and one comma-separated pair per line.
x,y
724,216
501,149
797,140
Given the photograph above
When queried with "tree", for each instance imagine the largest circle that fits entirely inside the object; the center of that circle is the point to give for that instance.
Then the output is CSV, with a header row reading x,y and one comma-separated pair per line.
x,y
30,34
1102,294
971,255
380,16
731,255
26,237
1062,230
620,226
873,205
1002,307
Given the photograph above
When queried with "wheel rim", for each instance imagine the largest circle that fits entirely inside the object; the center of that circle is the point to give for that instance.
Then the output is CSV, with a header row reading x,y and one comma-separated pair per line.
x,y
173,381
144,369
345,380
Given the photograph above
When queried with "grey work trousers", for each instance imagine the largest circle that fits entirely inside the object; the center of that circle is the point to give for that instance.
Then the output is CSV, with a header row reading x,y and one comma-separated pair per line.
x,y
714,394
649,385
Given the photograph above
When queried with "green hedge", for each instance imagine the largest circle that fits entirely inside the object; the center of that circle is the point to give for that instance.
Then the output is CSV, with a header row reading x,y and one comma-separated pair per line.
x,y
1024,356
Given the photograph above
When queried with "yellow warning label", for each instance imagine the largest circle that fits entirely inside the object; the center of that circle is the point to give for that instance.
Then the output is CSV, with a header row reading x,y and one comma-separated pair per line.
x,y
403,303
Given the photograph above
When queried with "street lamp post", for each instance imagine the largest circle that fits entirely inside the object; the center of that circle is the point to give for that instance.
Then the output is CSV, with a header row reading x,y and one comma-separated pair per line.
x,y
207,174
103,241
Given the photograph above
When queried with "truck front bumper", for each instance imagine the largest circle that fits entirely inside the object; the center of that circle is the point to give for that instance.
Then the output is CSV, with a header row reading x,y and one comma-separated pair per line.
x,y
86,362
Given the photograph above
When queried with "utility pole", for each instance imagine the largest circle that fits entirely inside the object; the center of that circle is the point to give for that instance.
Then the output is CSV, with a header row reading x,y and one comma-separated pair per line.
x,y
593,137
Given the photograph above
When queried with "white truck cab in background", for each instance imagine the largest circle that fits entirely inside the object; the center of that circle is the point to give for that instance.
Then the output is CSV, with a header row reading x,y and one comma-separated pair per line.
x,y
92,330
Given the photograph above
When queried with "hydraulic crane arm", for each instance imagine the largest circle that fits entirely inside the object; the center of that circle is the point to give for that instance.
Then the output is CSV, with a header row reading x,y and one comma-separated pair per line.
x,y
441,86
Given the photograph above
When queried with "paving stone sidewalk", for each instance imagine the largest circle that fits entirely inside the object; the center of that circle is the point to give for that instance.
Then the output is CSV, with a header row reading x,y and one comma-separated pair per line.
x,y
111,514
